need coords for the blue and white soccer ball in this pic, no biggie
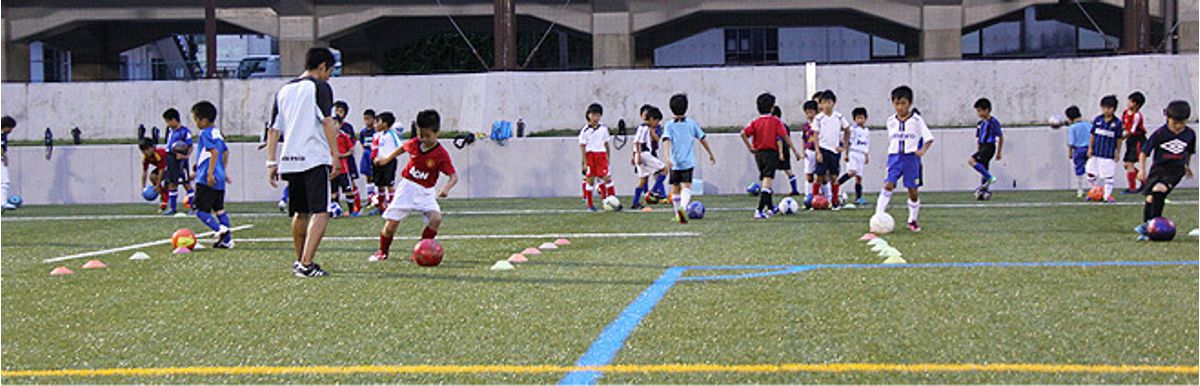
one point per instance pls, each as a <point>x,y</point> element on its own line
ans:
<point>15,200</point>
<point>808,201</point>
<point>754,189</point>
<point>335,210</point>
<point>788,206</point>
<point>695,210</point>
<point>149,194</point>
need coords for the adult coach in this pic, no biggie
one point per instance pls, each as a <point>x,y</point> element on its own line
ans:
<point>303,113</point>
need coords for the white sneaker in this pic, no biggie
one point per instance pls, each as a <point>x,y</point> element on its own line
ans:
<point>1078,193</point>
<point>7,206</point>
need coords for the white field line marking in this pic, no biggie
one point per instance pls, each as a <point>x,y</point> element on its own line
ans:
<point>572,211</point>
<point>487,237</point>
<point>134,246</point>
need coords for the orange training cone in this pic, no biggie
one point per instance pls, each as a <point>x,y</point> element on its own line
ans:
<point>561,242</point>
<point>94,264</point>
<point>517,258</point>
<point>868,237</point>
<point>61,270</point>
<point>531,252</point>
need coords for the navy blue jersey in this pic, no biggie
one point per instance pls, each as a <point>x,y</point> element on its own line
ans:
<point>1105,137</point>
<point>365,137</point>
<point>988,130</point>
<point>1171,150</point>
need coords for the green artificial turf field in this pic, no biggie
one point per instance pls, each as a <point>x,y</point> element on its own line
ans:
<point>1062,294</point>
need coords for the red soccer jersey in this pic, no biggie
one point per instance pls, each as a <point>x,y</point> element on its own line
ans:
<point>764,131</point>
<point>424,166</point>
<point>345,143</point>
<point>158,160</point>
<point>1133,123</point>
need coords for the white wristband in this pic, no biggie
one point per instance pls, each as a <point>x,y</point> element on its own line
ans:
<point>272,163</point>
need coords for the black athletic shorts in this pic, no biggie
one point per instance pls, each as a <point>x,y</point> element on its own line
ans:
<point>1133,147</point>
<point>680,176</point>
<point>984,155</point>
<point>767,161</point>
<point>385,175</point>
<point>1166,176</point>
<point>308,191</point>
<point>831,163</point>
<point>177,171</point>
<point>208,199</point>
<point>786,162</point>
<point>342,181</point>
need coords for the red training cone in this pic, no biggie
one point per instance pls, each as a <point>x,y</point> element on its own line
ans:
<point>61,270</point>
<point>517,258</point>
<point>561,242</point>
<point>94,264</point>
<point>531,252</point>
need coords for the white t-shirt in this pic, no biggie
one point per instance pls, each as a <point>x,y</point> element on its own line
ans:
<point>906,136</point>
<point>300,106</point>
<point>830,129</point>
<point>860,139</point>
<point>643,138</point>
<point>593,139</point>
<point>387,142</point>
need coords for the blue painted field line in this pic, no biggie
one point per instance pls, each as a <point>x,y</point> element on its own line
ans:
<point>612,339</point>
<point>606,346</point>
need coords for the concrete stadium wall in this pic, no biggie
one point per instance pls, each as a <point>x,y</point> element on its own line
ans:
<point>1022,91</point>
<point>1034,158</point>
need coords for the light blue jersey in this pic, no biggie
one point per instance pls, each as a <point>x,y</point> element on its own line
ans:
<point>1079,133</point>
<point>683,135</point>
<point>211,139</point>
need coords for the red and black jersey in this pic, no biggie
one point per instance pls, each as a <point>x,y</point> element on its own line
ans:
<point>158,159</point>
<point>424,166</point>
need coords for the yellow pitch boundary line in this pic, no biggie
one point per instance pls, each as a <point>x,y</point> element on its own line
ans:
<point>614,369</point>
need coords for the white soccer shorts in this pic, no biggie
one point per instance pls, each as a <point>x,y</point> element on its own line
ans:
<point>1101,167</point>
<point>409,198</point>
<point>649,165</point>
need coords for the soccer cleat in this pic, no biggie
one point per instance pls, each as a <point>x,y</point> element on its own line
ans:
<point>164,213</point>
<point>1078,193</point>
<point>313,270</point>
<point>221,244</point>
<point>282,205</point>
<point>990,181</point>
<point>1110,200</point>
<point>793,193</point>
<point>591,209</point>
<point>758,215</point>
<point>636,207</point>
<point>378,256</point>
<point>861,201</point>
<point>912,226</point>
<point>681,216</point>
<point>1140,229</point>
<point>1143,238</point>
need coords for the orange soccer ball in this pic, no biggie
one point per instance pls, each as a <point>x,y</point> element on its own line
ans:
<point>1096,194</point>
<point>183,238</point>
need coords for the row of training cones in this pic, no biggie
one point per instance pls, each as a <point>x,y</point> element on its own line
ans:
<point>878,245</point>
<point>523,256</point>
<point>62,270</point>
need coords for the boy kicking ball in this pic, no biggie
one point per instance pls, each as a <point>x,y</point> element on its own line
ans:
<point>415,193</point>
<point>679,145</point>
<point>1173,146</point>
<point>909,140</point>
<point>644,161</point>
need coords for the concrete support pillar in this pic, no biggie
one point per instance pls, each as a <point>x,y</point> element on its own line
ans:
<point>296,35</point>
<point>1189,26</point>
<point>1136,36</point>
<point>612,40</point>
<point>15,60</point>
<point>941,32</point>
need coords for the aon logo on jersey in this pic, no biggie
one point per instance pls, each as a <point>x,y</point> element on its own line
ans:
<point>418,174</point>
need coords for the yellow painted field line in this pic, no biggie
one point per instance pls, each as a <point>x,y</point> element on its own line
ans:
<point>662,368</point>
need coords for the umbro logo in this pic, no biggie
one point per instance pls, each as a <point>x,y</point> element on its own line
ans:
<point>1174,146</point>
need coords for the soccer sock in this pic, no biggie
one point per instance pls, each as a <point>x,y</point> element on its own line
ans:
<point>1108,185</point>
<point>658,184</point>
<point>685,197</point>
<point>857,191</point>
<point>816,189</point>
<point>833,198</point>
<point>284,196</point>
<point>428,233</point>
<point>223,218</point>
<point>1148,209</point>
<point>1160,199</point>
<point>792,182</point>
<point>612,190</point>
<point>190,191</point>
<point>845,177</point>
<point>208,220</point>
<point>1132,178</point>
<point>385,243</point>
<point>370,190</point>
<point>354,196</point>
<point>637,195</point>
<point>675,203</point>
<point>914,208</point>
<point>764,199</point>
<point>583,186</point>
<point>587,195</point>
<point>173,200</point>
<point>983,171</point>
<point>163,205</point>
<point>885,196</point>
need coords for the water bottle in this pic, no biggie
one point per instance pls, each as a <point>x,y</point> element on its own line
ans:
<point>520,127</point>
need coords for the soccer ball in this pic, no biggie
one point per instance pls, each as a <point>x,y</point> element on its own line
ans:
<point>653,198</point>
<point>1056,121</point>
<point>788,206</point>
<point>695,210</point>
<point>15,200</point>
<point>183,238</point>
<point>882,223</point>
<point>1160,229</point>
<point>427,253</point>
<point>983,194</point>
<point>820,202</point>
<point>335,210</point>
<point>754,189</point>
<point>612,204</point>
<point>181,149</point>
<point>1096,194</point>
<point>149,194</point>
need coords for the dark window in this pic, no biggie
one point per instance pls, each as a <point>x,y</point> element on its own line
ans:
<point>751,46</point>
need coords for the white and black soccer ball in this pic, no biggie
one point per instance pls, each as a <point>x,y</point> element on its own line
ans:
<point>788,205</point>
<point>612,204</point>
<point>882,223</point>
<point>1056,121</point>
<point>983,194</point>
<point>335,210</point>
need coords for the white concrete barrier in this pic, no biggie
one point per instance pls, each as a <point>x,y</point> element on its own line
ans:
<point>1034,158</point>
<point>1022,92</point>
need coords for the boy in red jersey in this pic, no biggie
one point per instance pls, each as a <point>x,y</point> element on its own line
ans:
<point>415,192</point>
<point>1135,137</point>
<point>155,157</point>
